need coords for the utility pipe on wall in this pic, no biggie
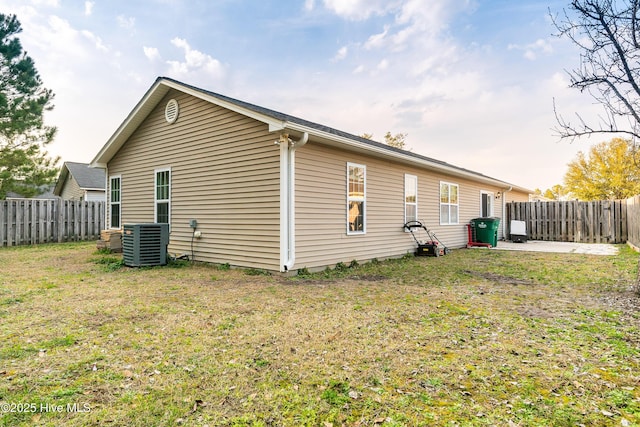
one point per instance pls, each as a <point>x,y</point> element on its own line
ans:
<point>287,199</point>
<point>504,212</point>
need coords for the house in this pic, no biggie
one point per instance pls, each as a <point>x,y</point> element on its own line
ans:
<point>78,181</point>
<point>272,191</point>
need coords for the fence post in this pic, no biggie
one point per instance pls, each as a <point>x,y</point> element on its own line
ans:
<point>3,222</point>
<point>624,215</point>
<point>34,205</point>
<point>59,219</point>
<point>20,234</point>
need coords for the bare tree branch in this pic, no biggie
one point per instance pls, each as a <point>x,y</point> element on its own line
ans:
<point>606,32</point>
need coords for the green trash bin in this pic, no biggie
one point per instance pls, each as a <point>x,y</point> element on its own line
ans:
<point>486,230</point>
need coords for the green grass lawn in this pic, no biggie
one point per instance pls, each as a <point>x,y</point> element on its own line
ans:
<point>475,338</point>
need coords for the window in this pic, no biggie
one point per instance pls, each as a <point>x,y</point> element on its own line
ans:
<point>448,203</point>
<point>486,204</point>
<point>356,198</point>
<point>163,195</point>
<point>410,198</point>
<point>115,196</point>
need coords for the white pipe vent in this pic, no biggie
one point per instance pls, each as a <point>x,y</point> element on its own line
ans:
<point>171,111</point>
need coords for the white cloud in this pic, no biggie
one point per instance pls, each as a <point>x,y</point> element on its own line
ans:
<point>309,5</point>
<point>88,7</point>
<point>559,81</point>
<point>358,10</point>
<point>377,40</point>
<point>194,61</point>
<point>444,56</point>
<point>61,28</point>
<point>125,22</point>
<point>414,21</point>
<point>151,53</point>
<point>97,41</point>
<point>50,3</point>
<point>359,69</point>
<point>533,50</point>
<point>341,54</point>
<point>383,65</point>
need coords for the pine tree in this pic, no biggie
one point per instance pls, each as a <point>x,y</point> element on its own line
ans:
<point>25,166</point>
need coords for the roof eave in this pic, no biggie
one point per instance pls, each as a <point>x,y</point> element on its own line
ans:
<point>404,158</point>
<point>274,124</point>
<point>128,126</point>
<point>150,100</point>
<point>162,86</point>
<point>64,171</point>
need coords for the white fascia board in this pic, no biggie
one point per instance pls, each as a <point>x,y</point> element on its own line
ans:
<point>128,126</point>
<point>450,170</point>
<point>150,101</point>
<point>276,126</point>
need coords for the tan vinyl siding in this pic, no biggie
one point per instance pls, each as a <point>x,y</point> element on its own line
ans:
<point>514,196</point>
<point>321,236</point>
<point>71,190</point>
<point>224,173</point>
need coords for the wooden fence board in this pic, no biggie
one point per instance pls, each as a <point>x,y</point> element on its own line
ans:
<point>572,221</point>
<point>34,221</point>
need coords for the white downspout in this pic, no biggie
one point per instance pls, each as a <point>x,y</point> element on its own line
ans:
<point>287,199</point>
<point>504,211</point>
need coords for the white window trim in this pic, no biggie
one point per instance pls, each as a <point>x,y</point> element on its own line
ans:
<point>362,199</point>
<point>492,196</point>
<point>119,202</point>
<point>155,193</point>
<point>448,204</point>
<point>406,175</point>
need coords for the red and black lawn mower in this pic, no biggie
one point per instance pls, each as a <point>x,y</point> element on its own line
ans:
<point>430,246</point>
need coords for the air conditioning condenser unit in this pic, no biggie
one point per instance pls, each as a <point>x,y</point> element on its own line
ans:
<point>145,244</point>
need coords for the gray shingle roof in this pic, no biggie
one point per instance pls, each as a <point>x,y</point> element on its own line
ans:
<point>279,120</point>
<point>86,177</point>
<point>292,119</point>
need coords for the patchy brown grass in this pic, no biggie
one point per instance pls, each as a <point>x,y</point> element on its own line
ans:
<point>477,337</point>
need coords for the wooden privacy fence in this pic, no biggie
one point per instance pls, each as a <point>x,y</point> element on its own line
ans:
<point>33,221</point>
<point>572,221</point>
<point>633,221</point>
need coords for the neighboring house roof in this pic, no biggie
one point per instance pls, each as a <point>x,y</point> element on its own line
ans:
<point>88,178</point>
<point>278,121</point>
<point>46,193</point>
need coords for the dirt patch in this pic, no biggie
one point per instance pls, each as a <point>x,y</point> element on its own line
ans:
<point>499,278</point>
<point>627,301</point>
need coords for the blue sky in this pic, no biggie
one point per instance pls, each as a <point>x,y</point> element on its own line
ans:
<point>471,82</point>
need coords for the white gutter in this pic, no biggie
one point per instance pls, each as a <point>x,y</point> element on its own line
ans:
<point>448,169</point>
<point>287,198</point>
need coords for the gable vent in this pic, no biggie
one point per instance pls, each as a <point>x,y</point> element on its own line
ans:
<point>171,111</point>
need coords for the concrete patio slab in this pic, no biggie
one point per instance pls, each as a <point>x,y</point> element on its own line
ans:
<point>561,247</point>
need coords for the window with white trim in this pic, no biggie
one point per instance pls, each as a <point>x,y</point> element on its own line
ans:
<point>356,198</point>
<point>163,196</point>
<point>115,198</point>
<point>410,198</point>
<point>449,205</point>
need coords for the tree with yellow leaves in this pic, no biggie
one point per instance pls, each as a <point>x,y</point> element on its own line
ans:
<point>609,171</point>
